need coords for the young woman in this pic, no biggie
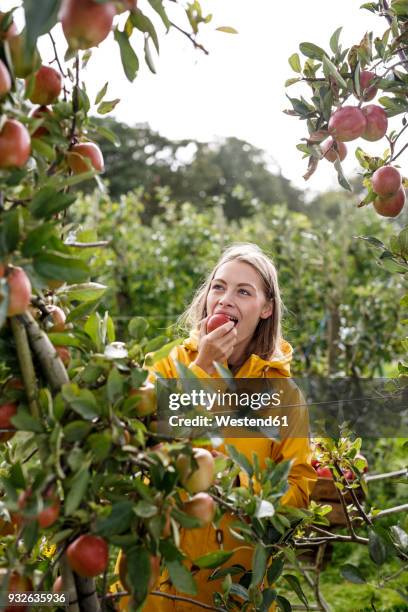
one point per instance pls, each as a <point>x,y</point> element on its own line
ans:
<point>244,286</point>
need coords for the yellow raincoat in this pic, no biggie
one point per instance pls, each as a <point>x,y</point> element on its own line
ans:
<point>198,542</point>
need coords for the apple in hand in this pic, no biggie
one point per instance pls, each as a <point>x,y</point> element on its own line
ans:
<point>216,321</point>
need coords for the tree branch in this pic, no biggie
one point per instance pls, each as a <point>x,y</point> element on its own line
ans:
<point>26,365</point>
<point>190,37</point>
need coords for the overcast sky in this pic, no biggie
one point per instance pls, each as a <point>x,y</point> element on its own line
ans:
<point>238,89</point>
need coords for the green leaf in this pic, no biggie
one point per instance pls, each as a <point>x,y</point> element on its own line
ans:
<point>55,265</point>
<point>145,509</point>
<point>128,56</point>
<point>40,18</point>
<point>43,149</point>
<point>181,578</point>
<point>352,574</point>
<point>264,509</point>
<point>100,445</point>
<point>311,50</point>
<point>283,604</point>
<point>185,520</point>
<point>157,5</point>
<point>143,23</point>
<point>84,292</point>
<point>334,40</point>
<point>330,69</point>
<point>4,300</point>
<point>275,570</point>
<point>38,238</point>
<point>114,386</point>
<point>400,537</point>
<point>82,401</point>
<point>137,327</point>
<point>259,560</point>
<point>377,547</point>
<point>76,430</point>
<point>294,62</point>
<point>118,521</point>
<point>25,422</point>
<point>163,351</point>
<point>138,562</point>
<point>11,231</point>
<point>78,487</point>
<point>148,56</point>
<point>213,559</point>
<point>240,459</point>
<point>239,591</point>
<point>101,93</point>
<point>227,29</point>
<point>108,134</point>
<point>106,107</point>
<point>48,201</point>
<point>340,176</point>
<point>82,310</point>
<point>293,582</point>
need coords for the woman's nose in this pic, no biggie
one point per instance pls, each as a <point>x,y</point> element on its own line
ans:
<point>226,299</point>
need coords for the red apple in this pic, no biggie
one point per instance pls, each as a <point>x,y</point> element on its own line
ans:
<point>15,144</point>
<point>5,79</point>
<point>332,150</point>
<point>88,555</point>
<point>84,156</point>
<point>58,317</point>
<point>386,181</point>
<point>57,587</point>
<point>347,123</point>
<point>315,463</point>
<point>391,206</point>
<point>7,411</point>
<point>86,23</point>
<point>197,479</point>
<point>41,112</point>
<point>19,290</point>
<point>368,91</point>
<point>11,30</point>
<point>324,472</point>
<point>201,506</point>
<point>44,86</point>
<point>16,584</point>
<point>64,354</point>
<point>377,122</point>
<point>48,515</point>
<point>216,321</point>
<point>349,475</point>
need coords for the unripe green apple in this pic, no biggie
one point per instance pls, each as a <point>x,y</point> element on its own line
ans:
<point>197,479</point>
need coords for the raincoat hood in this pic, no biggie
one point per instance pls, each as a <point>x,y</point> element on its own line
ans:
<point>255,366</point>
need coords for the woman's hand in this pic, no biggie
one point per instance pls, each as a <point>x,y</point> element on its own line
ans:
<point>218,345</point>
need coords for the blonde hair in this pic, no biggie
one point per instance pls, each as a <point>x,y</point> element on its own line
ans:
<point>268,333</point>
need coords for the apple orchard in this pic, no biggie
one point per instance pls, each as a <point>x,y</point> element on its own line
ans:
<point>84,474</point>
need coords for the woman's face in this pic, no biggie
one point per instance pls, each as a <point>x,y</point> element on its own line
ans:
<point>237,291</point>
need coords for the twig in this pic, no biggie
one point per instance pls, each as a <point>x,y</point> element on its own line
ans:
<point>88,245</point>
<point>387,512</point>
<point>26,365</point>
<point>169,596</point>
<point>69,584</point>
<point>190,37</point>
<point>401,53</point>
<point>57,59</point>
<point>75,102</point>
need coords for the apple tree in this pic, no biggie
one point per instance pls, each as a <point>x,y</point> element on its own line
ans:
<point>84,473</point>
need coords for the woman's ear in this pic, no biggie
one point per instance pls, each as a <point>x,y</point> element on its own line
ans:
<point>267,310</point>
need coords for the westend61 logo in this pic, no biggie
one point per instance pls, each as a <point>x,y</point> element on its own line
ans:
<point>208,400</point>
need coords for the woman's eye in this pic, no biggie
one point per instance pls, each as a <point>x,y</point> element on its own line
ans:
<point>245,291</point>
<point>216,286</point>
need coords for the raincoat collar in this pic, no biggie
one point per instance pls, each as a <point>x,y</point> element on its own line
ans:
<point>254,366</point>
